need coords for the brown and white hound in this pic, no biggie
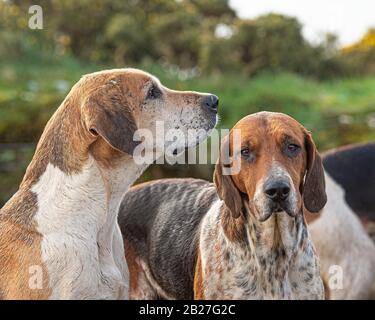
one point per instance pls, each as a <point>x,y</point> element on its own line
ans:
<point>59,236</point>
<point>243,237</point>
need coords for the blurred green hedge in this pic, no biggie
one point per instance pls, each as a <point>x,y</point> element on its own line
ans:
<point>205,35</point>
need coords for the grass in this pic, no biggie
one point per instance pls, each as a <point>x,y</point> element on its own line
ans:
<point>337,112</point>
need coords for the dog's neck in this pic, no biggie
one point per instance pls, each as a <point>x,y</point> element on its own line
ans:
<point>117,182</point>
<point>280,235</point>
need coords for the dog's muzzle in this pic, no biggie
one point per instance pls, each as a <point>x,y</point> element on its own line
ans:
<point>278,191</point>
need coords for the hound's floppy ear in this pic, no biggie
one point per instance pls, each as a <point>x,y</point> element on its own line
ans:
<point>106,114</point>
<point>314,194</point>
<point>225,187</point>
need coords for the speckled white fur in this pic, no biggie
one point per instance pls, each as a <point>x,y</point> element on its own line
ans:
<point>245,275</point>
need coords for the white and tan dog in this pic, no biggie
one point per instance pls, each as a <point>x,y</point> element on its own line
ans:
<point>59,236</point>
<point>344,232</point>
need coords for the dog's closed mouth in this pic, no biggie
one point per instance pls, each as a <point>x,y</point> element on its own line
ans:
<point>278,209</point>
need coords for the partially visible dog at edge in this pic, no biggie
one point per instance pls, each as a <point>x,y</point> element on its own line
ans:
<point>344,232</point>
<point>243,237</point>
<point>59,236</point>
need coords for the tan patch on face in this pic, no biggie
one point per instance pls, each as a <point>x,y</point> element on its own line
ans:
<point>128,90</point>
<point>135,85</point>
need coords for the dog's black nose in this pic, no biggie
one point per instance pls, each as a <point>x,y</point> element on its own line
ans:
<point>211,102</point>
<point>277,190</point>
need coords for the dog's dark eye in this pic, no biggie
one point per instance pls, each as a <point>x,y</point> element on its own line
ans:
<point>245,152</point>
<point>154,93</point>
<point>293,148</point>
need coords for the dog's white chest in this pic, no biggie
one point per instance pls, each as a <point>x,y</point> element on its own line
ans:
<point>71,213</point>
